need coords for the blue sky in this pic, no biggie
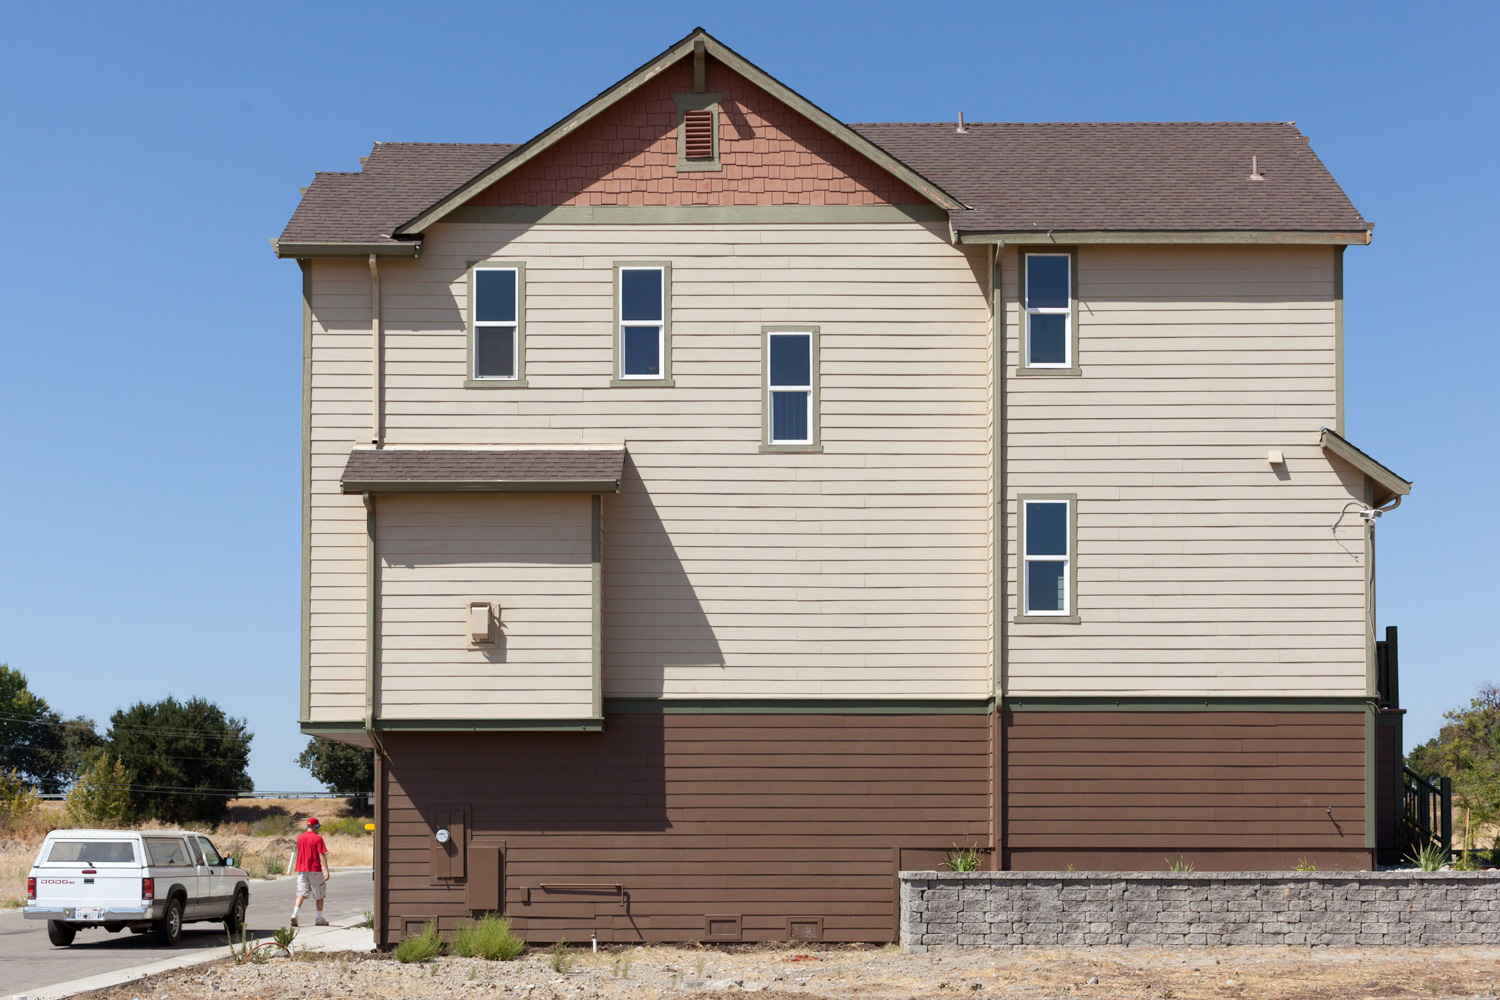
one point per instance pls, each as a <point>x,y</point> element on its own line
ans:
<point>149,342</point>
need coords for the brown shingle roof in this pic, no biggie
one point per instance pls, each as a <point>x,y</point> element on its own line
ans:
<point>533,470</point>
<point>1124,175</point>
<point>398,181</point>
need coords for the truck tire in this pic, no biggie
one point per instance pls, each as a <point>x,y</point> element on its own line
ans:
<point>234,920</point>
<point>60,933</point>
<point>169,928</point>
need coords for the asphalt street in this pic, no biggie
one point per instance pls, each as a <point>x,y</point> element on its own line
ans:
<point>28,960</point>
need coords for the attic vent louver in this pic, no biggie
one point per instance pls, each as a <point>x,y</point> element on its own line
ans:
<point>698,134</point>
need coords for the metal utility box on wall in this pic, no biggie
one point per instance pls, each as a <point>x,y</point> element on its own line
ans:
<point>486,882</point>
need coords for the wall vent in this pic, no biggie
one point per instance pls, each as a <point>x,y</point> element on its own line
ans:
<point>698,134</point>
<point>721,927</point>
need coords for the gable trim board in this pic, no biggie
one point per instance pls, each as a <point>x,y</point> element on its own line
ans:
<point>530,149</point>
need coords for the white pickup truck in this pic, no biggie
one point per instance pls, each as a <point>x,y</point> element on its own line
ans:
<point>153,880</point>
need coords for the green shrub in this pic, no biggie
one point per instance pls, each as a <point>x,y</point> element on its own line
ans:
<point>1182,864</point>
<point>489,938</point>
<point>1304,865</point>
<point>17,799</point>
<point>962,859</point>
<point>275,865</point>
<point>1430,857</point>
<point>101,795</point>
<point>563,957</point>
<point>423,948</point>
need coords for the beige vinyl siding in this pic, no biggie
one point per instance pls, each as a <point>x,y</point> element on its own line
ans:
<point>1200,570</point>
<point>339,418</point>
<point>860,572</point>
<point>531,555</point>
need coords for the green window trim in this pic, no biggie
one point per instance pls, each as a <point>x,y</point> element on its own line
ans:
<point>815,422</point>
<point>1023,328</point>
<point>1021,617</point>
<point>697,102</point>
<point>519,382</point>
<point>616,378</point>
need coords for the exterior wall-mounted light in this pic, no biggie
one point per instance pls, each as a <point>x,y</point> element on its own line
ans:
<point>481,622</point>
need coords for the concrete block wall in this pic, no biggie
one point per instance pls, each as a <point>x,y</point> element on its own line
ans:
<point>1337,909</point>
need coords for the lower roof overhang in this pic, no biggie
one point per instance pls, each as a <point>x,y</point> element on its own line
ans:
<point>491,470</point>
<point>1064,237</point>
<point>1387,485</point>
<point>288,248</point>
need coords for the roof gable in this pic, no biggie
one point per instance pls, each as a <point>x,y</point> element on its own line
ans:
<point>683,50</point>
<point>768,154</point>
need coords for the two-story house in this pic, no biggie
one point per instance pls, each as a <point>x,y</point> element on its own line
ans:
<point>713,508</point>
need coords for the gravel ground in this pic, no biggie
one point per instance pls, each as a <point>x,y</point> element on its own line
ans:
<point>866,973</point>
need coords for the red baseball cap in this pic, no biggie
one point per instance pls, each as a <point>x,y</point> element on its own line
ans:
<point>313,821</point>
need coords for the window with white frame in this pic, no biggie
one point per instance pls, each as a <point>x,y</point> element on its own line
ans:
<point>642,311</point>
<point>1049,310</point>
<point>789,387</point>
<point>1047,557</point>
<point>496,341</point>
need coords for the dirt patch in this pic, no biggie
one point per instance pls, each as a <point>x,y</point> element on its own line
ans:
<point>861,973</point>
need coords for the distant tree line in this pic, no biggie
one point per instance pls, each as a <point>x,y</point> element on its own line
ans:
<point>173,761</point>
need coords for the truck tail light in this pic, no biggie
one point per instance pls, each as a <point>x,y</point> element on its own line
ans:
<point>31,888</point>
<point>148,888</point>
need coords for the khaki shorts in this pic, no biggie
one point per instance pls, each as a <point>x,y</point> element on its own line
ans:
<point>311,884</point>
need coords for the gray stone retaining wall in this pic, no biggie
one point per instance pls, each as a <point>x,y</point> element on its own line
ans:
<point>1341,909</point>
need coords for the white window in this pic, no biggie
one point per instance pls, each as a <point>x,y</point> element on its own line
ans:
<point>789,387</point>
<point>643,311</point>
<point>496,340</point>
<point>1049,310</point>
<point>1047,557</point>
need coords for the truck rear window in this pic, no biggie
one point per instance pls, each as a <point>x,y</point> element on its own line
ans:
<point>93,852</point>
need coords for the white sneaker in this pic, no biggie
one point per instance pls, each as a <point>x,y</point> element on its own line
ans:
<point>320,922</point>
<point>294,921</point>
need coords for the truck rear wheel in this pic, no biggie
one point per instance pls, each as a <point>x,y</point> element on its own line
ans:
<point>60,933</point>
<point>169,927</point>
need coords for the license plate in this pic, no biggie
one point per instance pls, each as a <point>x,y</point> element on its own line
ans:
<point>86,913</point>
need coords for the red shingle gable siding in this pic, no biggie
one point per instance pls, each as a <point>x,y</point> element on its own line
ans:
<point>770,155</point>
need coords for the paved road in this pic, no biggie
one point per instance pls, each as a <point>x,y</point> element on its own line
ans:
<point>29,961</point>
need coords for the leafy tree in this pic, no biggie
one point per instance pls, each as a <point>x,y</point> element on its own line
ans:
<point>22,715</point>
<point>61,750</point>
<point>341,768</point>
<point>188,757</point>
<point>101,795</point>
<point>1467,750</point>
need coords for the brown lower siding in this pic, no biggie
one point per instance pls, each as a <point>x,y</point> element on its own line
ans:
<point>757,818</point>
<point>1124,790</point>
<point>758,821</point>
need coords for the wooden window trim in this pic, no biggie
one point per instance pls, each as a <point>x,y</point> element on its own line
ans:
<point>519,382</point>
<point>1023,343</point>
<point>1022,617</point>
<point>617,378</point>
<point>815,422</point>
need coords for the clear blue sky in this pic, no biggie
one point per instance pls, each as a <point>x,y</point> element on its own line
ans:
<point>150,343</point>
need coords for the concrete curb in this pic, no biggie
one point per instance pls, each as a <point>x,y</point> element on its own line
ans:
<point>308,939</point>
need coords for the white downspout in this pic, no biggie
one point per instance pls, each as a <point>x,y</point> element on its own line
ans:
<point>376,355</point>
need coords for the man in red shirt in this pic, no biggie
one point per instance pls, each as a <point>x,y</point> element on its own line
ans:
<point>312,870</point>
